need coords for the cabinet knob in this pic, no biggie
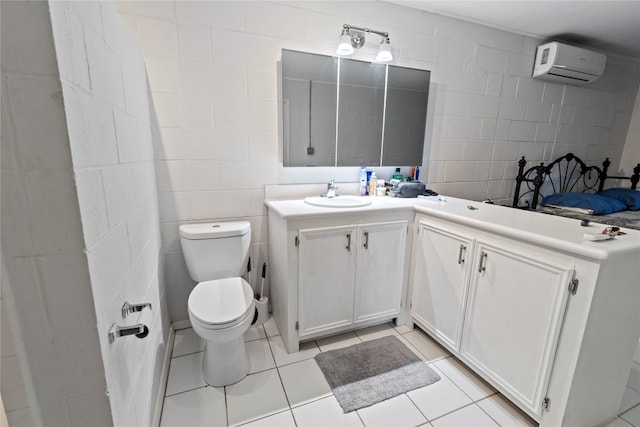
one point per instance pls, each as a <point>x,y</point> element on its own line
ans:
<point>366,240</point>
<point>348,242</point>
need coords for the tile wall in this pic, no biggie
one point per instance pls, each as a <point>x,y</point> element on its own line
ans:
<point>109,121</point>
<point>212,70</point>
<point>54,353</point>
<point>80,227</point>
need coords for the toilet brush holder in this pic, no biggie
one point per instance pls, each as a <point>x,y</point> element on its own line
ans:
<point>262,308</point>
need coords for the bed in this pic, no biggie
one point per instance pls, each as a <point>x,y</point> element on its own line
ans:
<point>569,187</point>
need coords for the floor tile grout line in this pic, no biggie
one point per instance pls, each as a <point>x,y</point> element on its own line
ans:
<point>456,410</point>
<point>284,390</point>
<point>482,409</point>
<point>630,409</point>
<point>513,405</point>
<point>226,406</point>
<point>416,406</point>
<point>454,383</point>
<point>186,354</point>
<point>262,418</point>
<point>184,391</point>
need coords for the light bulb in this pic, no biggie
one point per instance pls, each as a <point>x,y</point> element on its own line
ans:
<point>384,52</point>
<point>344,46</point>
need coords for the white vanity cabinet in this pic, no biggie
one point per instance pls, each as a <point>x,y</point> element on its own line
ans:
<point>516,311</point>
<point>349,275</point>
<point>497,304</point>
<point>547,317</point>
<point>334,273</point>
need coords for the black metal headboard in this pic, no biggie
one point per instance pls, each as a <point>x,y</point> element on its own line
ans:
<point>565,174</point>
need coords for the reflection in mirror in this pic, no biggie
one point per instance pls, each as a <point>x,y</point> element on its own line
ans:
<point>343,112</point>
<point>361,110</point>
<point>309,109</point>
<point>405,116</point>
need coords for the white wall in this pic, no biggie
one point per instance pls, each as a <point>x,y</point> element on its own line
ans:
<point>46,285</point>
<point>80,227</point>
<point>108,116</point>
<point>631,152</point>
<point>213,73</point>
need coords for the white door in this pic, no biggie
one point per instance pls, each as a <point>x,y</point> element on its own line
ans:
<point>326,275</point>
<point>440,279</point>
<point>381,257</point>
<point>514,315</point>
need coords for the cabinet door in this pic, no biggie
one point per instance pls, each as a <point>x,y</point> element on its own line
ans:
<point>326,275</point>
<point>515,311</point>
<point>380,267</point>
<point>441,272</point>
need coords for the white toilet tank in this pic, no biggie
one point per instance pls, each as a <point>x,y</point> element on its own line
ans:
<point>216,250</point>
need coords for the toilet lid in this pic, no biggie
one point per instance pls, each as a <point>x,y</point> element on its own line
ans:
<point>220,301</point>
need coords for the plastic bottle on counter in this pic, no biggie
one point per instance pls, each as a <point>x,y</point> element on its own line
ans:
<point>381,190</point>
<point>373,184</point>
<point>397,175</point>
<point>363,181</point>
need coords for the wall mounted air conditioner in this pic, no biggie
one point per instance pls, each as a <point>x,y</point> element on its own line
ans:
<point>563,63</point>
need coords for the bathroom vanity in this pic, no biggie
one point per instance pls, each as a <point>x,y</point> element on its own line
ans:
<point>337,269</point>
<point>547,317</point>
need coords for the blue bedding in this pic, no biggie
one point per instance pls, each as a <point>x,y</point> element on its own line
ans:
<point>597,204</point>
<point>631,198</point>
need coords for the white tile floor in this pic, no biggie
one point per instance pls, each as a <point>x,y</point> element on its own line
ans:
<point>289,389</point>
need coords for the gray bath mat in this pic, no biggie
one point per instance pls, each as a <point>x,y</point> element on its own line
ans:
<point>364,374</point>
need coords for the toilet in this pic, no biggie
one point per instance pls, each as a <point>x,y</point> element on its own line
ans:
<point>222,305</point>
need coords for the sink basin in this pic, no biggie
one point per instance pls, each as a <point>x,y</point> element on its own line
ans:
<point>338,201</point>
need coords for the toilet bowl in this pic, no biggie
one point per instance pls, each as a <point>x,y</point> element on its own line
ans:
<point>220,312</point>
<point>221,306</point>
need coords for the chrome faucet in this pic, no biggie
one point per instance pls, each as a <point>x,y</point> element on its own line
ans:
<point>331,189</point>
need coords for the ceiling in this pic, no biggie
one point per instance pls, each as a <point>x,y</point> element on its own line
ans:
<point>610,26</point>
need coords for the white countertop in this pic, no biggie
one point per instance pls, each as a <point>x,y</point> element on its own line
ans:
<point>553,231</point>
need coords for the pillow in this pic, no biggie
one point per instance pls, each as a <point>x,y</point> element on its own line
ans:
<point>629,197</point>
<point>597,203</point>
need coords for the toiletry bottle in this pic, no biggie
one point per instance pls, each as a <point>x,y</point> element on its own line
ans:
<point>416,175</point>
<point>363,181</point>
<point>397,175</point>
<point>381,190</point>
<point>373,184</point>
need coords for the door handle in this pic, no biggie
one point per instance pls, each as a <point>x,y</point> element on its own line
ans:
<point>366,240</point>
<point>483,258</point>
<point>463,248</point>
<point>348,242</point>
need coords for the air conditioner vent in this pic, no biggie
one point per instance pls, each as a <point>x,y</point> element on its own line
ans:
<point>568,64</point>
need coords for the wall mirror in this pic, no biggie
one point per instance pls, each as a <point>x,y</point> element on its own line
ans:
<point>344,112</point>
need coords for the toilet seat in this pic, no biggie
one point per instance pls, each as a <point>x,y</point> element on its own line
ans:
<point>222,303</point>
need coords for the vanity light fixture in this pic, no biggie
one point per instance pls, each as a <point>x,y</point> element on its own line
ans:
<point>354,37</point>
